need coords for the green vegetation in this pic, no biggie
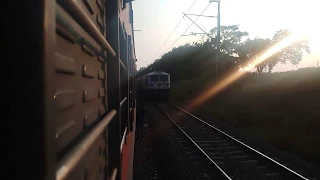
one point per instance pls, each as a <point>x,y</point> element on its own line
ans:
<point>281,108</point>
<point>193,60</point>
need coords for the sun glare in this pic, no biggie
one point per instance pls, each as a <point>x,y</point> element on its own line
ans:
<point>292,38</point>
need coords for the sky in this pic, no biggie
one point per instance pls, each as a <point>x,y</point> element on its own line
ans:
<point>260,18</point>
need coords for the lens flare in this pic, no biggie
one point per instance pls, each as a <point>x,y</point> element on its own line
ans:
<point>289,40</point>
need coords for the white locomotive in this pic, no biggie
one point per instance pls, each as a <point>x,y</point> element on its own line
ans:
<point>153,85</point>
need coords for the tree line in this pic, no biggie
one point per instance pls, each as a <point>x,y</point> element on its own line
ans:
<point>236,51</point>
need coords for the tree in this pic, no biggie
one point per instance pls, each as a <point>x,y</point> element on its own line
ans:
<point>292,53</point>
<point>230,37</point>
<point>193,60</point>
<point>252,49</point>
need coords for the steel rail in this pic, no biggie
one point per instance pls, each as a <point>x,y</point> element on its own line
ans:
<point>212,161</point>
<point>245,145</point>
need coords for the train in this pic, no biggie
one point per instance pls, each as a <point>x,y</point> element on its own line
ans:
<point>154,86</point>
<point>72,90</point>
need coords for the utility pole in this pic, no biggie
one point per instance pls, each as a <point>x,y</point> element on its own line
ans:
<point>218,41</point>
<point>217,38</point>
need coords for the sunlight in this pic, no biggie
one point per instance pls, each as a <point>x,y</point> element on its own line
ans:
<point>248,68</point>
<point>292,38</point>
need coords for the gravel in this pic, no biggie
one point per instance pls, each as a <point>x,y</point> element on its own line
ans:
<point>165,154</point>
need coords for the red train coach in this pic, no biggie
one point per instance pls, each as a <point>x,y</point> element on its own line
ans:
<point>74,117</point>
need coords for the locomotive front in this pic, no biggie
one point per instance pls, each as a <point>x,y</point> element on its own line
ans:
<point>154,86</point>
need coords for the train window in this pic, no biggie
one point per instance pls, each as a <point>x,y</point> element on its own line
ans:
<point>153,78</point>
<point>163,78</point>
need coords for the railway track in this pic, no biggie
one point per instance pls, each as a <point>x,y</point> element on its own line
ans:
<point>233,158</point>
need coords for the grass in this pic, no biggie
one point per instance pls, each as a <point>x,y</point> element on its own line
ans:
<point>283,108</point>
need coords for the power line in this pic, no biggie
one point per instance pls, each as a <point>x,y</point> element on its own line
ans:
<point>188,27</point>
<point>174,29</point>
<point>197,25</point>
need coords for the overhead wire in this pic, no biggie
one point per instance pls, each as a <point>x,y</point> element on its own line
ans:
<point>198,26</point>
<point>174,30</point>
<point>188,27</point>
